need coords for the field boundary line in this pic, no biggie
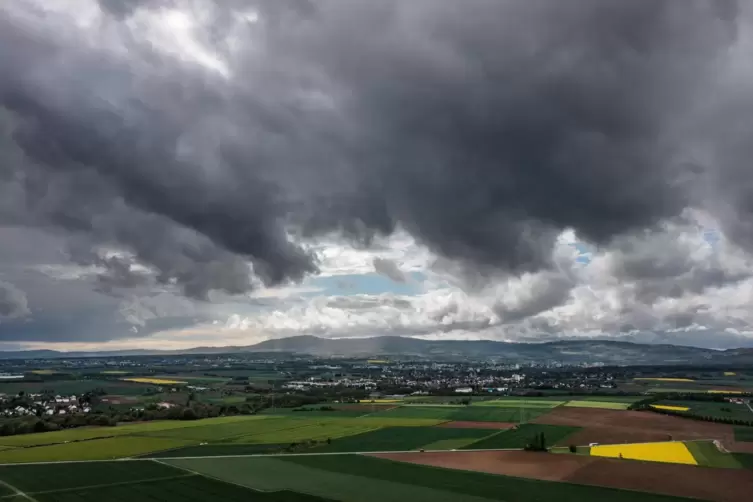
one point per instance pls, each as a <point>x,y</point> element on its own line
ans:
<point>18,492</point>
<point>118,483</point>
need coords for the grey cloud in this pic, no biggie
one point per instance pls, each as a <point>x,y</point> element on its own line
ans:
<point>665,265</point>
<point>543,293</point>
<point>366,302</point>
<point>389,268</point>
<point>358,117</point>
<point>13,302</point>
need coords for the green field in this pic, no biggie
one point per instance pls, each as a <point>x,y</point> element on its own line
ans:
<point>473,413</point>
<point>518,438</point>
<point>227,431</point>
<point>520,403</point>
<point>399,439</point>
<point>610,399</point>
<point>708,455</point>
<point>314,431</point>
<point>438,412</point>
<point>598,404</point>
<point>128,481</point>
<point>744,459</point>
<point>357,478</point>
<point>96,449</point>
<point>315,412</point>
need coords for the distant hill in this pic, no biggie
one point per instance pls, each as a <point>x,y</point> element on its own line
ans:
<point>566,351</point>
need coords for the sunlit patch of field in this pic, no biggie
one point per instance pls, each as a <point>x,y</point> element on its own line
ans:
<point>670,408</point>
<point>657,379</point>
<point>670,452</point>
<point>155,381</point>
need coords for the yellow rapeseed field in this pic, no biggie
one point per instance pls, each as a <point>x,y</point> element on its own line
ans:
<point>377,361</point>
<point>666,379</point>
<point>670,408</point>
<point>725,392</point>
<point>384,401</point>
<point>729,373</point>
<point>671,452</point>
<point>155,381</point>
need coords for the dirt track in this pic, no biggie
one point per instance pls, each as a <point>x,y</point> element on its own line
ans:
<point>612,426</point>
<point>477,425</point>
<point>718,485</point>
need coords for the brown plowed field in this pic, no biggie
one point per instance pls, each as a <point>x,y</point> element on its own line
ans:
<point>477,425</point>
<point>718,485</point>
<point>616,426</point>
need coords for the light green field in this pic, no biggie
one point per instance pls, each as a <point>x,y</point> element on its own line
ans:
<point>227,431</point>
<point>708,455</point>
<point>598,404</point>
<point>96,449</point>
<point>315,432</point>
<point>520,403</point>
<point>86,433</point>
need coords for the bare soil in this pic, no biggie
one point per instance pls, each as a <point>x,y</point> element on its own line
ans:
<point>524,464</point>
<point>477,425</point>
<point>617,426</point>
<point>708,483</point>
<point>714,484</point>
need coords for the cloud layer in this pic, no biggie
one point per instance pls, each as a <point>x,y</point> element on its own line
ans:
<point>207,149</point>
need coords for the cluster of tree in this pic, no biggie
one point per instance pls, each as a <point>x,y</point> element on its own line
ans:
<point>645,404</point>
<point>705,418</point>
<point>689,396</point>
<point>537,443</point>
<point>320,408</point>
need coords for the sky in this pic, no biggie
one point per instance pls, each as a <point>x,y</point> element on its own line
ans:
<point>192,173</point>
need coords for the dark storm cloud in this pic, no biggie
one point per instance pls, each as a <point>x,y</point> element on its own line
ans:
<point>482,127</point>
<point>13,302</point>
